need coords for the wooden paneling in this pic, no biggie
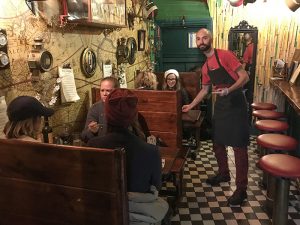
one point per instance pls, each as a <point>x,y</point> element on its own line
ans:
<point>55,184</point>
<point>160,114</point>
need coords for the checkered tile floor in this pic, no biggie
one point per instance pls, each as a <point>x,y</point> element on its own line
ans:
<point>206,205</point>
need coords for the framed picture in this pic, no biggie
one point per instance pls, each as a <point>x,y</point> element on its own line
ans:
<point>102,13</point>
<point>78,9</point>
<point>141,40</point>
<point>109,12</point>
<point>295,75</point>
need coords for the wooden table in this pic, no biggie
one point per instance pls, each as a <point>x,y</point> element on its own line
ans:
<point>169,155</point>
<point>193,120</point>
<point>292,93</point>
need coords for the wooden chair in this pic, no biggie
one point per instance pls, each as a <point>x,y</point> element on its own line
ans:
<point>43,184</point>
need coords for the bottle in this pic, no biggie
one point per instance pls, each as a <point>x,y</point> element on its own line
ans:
<point>66,136</point>
<point>47,131</point>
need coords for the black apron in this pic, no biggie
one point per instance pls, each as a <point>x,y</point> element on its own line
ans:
<point>230,123</point>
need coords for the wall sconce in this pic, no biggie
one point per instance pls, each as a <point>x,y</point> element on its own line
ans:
<point>183,21</point>
<point>293,4</point>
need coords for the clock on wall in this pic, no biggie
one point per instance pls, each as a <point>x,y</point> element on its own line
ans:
<point>4,60</point>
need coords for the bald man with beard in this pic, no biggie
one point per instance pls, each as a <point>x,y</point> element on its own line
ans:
<point>223,71</point>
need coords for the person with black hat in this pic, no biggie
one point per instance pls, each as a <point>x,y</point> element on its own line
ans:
<point>143,160</point>
<point>24,114</point>
<point>223,71</point>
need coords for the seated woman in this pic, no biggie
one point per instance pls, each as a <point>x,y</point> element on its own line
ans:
<point>172,83</point>
<point>24,114</point>
<point>146,81</point>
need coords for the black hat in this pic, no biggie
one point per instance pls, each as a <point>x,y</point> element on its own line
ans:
<point>24,107</point>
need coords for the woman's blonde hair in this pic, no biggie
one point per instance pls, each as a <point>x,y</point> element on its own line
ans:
<point>16,129</point>
<point>146,80</point>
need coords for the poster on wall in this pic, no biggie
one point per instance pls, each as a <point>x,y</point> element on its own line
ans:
<point>192,40</point>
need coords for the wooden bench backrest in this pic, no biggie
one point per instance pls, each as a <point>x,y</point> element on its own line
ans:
<point>43,184</point>
<point>159,114</point>
<point>161,111</point>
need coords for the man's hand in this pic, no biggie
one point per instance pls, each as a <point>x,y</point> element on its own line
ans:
<point>222,92</point>
<point>93,127</point>
<point>186,108</point>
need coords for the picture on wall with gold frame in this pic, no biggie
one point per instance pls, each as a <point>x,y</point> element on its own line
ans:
<point>111,12</point>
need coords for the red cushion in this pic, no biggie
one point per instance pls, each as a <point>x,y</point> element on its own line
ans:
<point>281,165</point>
<point>277,142</point>
<point>271,125</point>
<point>263,105</point>
<point>267,114</point>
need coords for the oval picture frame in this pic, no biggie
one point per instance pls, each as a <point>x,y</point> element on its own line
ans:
<point>88,62</point>
<point>132,49</point>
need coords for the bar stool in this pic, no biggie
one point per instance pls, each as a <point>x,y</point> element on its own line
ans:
<point>265,126</point>
<point>274,142</point>
<point>267,114</point>
<point>269,126</point>
<point>263,106</point>
<point>284,168</point>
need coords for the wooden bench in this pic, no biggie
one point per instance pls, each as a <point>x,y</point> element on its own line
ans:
<point>43,184</point>
<point>191,81</point>
<point>160,112</point>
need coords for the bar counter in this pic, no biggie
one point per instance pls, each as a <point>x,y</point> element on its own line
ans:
<point>292,93</point>
<point>292,107</point>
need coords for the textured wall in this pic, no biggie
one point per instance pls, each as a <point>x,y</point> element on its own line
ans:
<point>66,44</point>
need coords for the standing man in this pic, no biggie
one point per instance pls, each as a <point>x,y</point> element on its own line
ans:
<point>95,124</point>
<point>224,72</point>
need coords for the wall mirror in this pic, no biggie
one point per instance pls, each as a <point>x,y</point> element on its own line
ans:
<point>242,41</point>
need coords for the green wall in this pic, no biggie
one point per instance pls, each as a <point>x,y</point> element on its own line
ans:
<point>175,9</point>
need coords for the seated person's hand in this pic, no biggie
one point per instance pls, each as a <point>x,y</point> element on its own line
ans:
<point>93,127</point>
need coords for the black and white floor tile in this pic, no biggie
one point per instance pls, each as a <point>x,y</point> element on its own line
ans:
<point>206,205</point>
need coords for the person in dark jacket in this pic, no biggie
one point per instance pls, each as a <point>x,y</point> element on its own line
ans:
<point>95,124</point>
<point>143,161</point>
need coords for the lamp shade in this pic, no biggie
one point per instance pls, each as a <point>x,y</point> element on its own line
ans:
<point>236,3</point>
<point>293,4</point>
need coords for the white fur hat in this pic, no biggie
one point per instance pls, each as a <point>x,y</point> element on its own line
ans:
<point>175,72</point>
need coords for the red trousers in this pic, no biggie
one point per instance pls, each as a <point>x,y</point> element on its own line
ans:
<point>241,164</point>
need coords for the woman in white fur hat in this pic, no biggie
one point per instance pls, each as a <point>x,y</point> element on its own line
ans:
<point>172,83</point>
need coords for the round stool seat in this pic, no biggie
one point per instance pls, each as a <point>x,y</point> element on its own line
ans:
<point>267,114</point>
<point>263,106</point>
<point>277,142</point>
<point>281,165</point>
<point>271,125</point>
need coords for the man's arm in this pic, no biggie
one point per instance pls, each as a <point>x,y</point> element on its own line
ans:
<point>241,81</point>
<point>202,93</point>
<point>93,115</point>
